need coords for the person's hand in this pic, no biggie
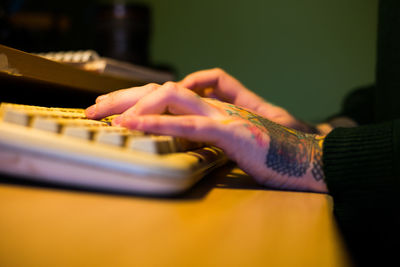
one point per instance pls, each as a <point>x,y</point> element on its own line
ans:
<point>274,155</point>
<point>216,83</point>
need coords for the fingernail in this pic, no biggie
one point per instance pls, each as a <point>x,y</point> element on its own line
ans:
<point>101,98</point>
<point>90,111</point>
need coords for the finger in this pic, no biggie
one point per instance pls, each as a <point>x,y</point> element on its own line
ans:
<point>225,87</point>
<point>205,83</point>
<point>201,79</point>
<point>173,99</point>
<point>193,127</point>
<point>118,101</point>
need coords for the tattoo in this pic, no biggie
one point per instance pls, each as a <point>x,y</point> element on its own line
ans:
<point>256,134</point>
<point>290,152</point>
<point>317,170</point>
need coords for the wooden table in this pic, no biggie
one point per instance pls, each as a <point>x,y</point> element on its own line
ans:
<point>226,220</point>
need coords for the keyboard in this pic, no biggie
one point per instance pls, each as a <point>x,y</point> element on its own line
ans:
<point>61,146</point>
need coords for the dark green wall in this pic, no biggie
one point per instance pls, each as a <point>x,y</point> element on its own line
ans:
<point>304,55</point>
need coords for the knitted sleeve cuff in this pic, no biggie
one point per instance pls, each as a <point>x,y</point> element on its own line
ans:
<point>361,167</point>
<point>359,159</point>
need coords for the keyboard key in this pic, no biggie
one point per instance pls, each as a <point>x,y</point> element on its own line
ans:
<point>16,116</point>
<point>151,144</point>
<point>182,144</point>
<point>60,125</point>
<point>115,136</point>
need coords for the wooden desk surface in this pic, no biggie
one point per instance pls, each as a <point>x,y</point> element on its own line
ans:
<point>233,222</point>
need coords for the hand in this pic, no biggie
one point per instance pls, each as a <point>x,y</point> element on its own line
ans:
<point>274,155</point>
<point>216,83</point>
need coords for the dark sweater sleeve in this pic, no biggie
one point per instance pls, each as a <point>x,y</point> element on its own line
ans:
<point>361,165</point>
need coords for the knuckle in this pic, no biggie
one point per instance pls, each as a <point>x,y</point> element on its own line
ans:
<point>169,89</point>
<point>219,71</point>
<point>112,97</point>
<point>170,86</point>
<point>155,123</point>
<point>152,86</point>
<point>188,126</point>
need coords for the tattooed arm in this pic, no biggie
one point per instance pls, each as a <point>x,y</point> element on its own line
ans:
<point>273,154</point>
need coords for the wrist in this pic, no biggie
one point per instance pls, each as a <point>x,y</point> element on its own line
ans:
<point>313,179</point>
<point>297,166</point>
<point>326,127</point>
<point>316,175</point>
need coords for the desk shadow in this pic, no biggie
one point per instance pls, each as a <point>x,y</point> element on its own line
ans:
<point>227,176</point>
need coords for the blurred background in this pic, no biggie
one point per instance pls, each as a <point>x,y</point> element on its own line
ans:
<point>304,55</point>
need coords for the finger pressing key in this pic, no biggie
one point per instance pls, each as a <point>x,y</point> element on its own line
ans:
<point>118,101</point>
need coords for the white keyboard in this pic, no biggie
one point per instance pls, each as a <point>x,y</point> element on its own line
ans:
<point>62,146</point>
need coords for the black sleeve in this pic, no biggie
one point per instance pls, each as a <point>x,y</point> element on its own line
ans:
<point>361,166</point>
